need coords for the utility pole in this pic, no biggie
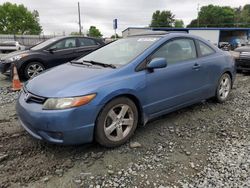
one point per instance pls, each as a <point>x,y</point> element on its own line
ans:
<point>198,19</point>
<point>115,27</point>
<point>79,17</point>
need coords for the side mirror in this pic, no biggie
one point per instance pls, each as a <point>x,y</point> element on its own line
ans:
<point>51,50</point>
<point>157,63</point>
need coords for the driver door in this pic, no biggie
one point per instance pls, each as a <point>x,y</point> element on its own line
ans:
<point>180,83</point>
<point>63,52</point>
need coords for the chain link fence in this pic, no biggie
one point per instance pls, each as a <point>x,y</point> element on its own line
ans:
<point>26,40</point>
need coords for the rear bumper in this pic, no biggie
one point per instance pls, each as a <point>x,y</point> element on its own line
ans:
<point>70,126</point>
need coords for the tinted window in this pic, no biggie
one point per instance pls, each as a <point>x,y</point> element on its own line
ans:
<point>177,50</point>
<point>64,44</point>
<point>43,44</point>
<point>87,42</point>
<point>205,49</point>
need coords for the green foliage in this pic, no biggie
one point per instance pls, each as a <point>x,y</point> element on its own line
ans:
<point>225,16</point>
<point>117,36</point>
<point>193,23</point>
<point>178,24</point>
<point>17,19</point>
<point>74,33</point>
<point>245,16</point>
<point>216,16</point>
<point>94,32</point>
<point>162,19</point>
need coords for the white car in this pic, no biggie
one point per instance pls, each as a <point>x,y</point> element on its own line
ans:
<point>10,46</point>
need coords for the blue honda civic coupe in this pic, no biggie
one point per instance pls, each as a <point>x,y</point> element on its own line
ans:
<point>106,94</point>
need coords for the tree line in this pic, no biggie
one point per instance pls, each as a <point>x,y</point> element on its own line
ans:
<point>17,19</point>
<point>208,16</point>
<point>225,16</point>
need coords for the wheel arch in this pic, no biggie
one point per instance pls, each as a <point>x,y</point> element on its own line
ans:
<point>22,65</point>
<point>133,98</point>
<point>231,76</point>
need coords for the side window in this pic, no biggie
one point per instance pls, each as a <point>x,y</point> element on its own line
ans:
<point>87,42</point>
<point>205,49</point>
<point>177,50</point>
<point>70,43</point>
<point>64,44</point>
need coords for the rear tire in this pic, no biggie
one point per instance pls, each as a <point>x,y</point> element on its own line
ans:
<point>224,88</point>
<point>116,122</point>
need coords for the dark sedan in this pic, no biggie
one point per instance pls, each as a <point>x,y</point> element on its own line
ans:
<point>50,53</point>
<point>243,62</point>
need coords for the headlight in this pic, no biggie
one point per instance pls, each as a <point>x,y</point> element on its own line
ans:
<point>64,103</point>
<point>17,57</point>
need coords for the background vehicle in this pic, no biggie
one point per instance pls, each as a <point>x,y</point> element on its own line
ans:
<point>50,53</point>
<point>243,62</point>
<point>225,46</point>
<point>106,94</point>
<point>10,46</point>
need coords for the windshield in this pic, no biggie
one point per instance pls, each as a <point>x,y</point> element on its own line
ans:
<point>120,52</point>
<point>43,44</point>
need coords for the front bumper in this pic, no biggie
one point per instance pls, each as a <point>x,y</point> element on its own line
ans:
<point>69,126</point>
<point>243,64</point>
<point>5,67</point>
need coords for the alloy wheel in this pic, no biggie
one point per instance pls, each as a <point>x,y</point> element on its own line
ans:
<point>34,70</point>
<point>224,87</point>
<point>118,122</point>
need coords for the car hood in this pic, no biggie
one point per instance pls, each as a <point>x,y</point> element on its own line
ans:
<point>69,80</point>
<point>243,49</point>
<point>12,54</point>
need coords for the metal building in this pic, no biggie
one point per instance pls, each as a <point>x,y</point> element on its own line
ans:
<point>234,36</point>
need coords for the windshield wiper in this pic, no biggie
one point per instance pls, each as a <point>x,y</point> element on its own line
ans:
<point>101,64</point>
<point>76,62</point>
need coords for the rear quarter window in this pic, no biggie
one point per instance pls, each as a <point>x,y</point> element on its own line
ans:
<point>205,50</point>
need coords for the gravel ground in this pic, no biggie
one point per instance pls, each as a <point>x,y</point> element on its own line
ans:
<point>205,145</point>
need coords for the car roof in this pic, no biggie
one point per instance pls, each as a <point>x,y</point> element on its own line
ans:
<point>72,36</point>
<point>149,33</point>
<point>77,36</point>
<point>162,34</point>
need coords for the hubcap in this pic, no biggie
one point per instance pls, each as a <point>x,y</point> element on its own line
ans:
<point>119,122</point>
<point>34,70</point>
<point>224,88</point>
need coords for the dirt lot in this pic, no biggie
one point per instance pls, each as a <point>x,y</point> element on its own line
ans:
<point>205,145</point>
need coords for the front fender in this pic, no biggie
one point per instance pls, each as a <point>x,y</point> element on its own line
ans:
<point>131,94</point>
<point>117,93</point>
<point>20,63</point>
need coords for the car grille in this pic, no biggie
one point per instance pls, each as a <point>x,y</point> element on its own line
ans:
<point>245,55</point>
<point>29,97</point>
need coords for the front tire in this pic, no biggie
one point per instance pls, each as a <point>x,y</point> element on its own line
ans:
<point>32,69</point>
<point>224,88</point>
<point>116,122</point>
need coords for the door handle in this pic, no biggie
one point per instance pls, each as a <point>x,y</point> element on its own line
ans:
<point>196,66</point>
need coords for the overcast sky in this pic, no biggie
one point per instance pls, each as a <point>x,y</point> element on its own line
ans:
<point>58,16</point>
